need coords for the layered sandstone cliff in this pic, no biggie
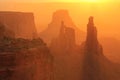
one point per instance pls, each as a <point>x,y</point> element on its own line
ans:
<point>24,59</point>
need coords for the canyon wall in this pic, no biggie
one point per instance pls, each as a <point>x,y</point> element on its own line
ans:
<point>24,59</point>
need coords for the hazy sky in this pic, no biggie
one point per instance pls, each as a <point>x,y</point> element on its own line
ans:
<point>60,0</point>
<point>107,15</point>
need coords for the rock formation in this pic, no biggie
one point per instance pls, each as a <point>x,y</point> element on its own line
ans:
<point>64,51</point>
<point>95,65</point>
<point>65,40</point>
<point>54,27</point>
<point>32,64</point>
<point>5,32</point>
<point>22,24</point>
<point>23,59</point>
<point>92,44</point>
<point>91,65</point>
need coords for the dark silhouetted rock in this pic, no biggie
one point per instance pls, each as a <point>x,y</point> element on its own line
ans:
<point>92,44</point>
<point>95,65</point>
<point>22,24</point>
<point>91,65</point>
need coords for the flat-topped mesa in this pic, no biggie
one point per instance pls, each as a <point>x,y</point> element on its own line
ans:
<point>53,28</point>
<point>92,43</point>
<point>60,15</point>
<point>21,23</point>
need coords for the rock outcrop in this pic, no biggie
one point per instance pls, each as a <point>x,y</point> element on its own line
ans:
<point>5,32</point>
<point>65,40</point>
<point>64,50</point>
<point>32,64</point>
<point>22,24</point>
<point>53,28</point>
<point>92,44</point>
<point>24,59</point>
<point>95,65</point>
<point>91,65</point>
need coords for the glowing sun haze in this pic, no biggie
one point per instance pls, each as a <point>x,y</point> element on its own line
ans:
<point>85,0</point>
<point>59,0</point>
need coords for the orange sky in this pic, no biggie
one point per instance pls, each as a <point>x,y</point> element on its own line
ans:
<point>60,0</point>
<point>107,14</point>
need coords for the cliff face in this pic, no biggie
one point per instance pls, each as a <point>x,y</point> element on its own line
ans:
<point>22,24</point>
<point>54,27</point>
<point>24,59</point>
<point>32,64</point>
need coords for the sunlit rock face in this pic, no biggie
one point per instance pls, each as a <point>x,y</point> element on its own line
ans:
<point>22,24</point>
<point>95,66</point>
<point>24,59</point>
<point>53,28</point>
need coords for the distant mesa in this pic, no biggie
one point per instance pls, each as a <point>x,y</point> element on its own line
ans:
<point>21,23</point>
<point>53,28</point>
<point>65,42</point>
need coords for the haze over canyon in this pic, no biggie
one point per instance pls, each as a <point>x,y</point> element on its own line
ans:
<point>59,41</point>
